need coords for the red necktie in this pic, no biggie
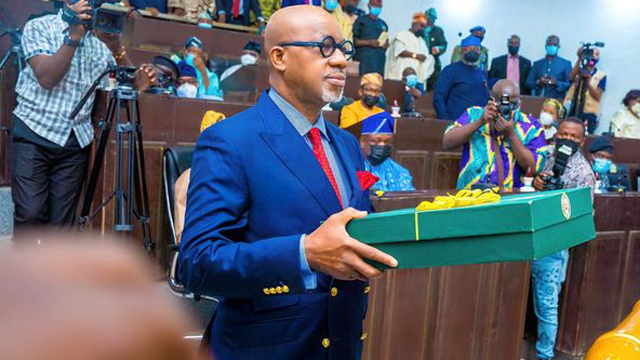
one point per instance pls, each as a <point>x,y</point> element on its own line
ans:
<point>318,151</point>
<point>236,8</point>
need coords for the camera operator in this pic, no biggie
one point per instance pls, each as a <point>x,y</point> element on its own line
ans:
<point>548,273</point>
<point>500,142</point>
<point>595,83</point>
<point>50,151</point>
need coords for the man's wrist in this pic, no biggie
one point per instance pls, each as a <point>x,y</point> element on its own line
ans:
<point>119,52</point>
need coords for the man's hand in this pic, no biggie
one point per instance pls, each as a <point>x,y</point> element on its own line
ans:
<point>178,12</point>
<point>552,81</point>
<point>145,77</point>
<point>153,11</point>
<point>331,250</point>
<point>538,183</point>
<point>414,92</point>
<point>386,45</point>
<point>421,57</point>
<point>198,61</point>
<point>112,41</point>
<point>505,127</point>
<point>490,112</point>
<point>77,32</point>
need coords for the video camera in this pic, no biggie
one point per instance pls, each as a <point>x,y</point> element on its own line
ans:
<point>506,107</point>
<point>105,19</point>
<point>586,54</point>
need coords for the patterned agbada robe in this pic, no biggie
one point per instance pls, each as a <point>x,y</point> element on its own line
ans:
<point>393,177</point>
<point>478,161</point>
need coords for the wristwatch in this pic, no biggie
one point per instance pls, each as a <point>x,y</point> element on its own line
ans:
<point>414,55</point>
<point>69,42</point>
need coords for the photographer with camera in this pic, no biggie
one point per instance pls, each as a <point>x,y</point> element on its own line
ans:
<point>566,168</point>
<point>585,75</point>
<point>49,150</point>
<point>500,142</point>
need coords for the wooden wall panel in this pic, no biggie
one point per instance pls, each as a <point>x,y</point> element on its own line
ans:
<point>444,170</point>
<point>418,162</point>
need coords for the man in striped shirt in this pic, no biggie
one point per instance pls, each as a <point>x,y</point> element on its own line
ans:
<point>50,151</point>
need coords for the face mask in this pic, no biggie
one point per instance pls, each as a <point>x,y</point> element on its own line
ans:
<point>248,59</point>
<point>370,101</point>
<point>546,119</point>
<point>601,165</point>
<point>379,153</point>
<point>331,5</point>
<point>636,109</point>
<point>189,59</point>
<point>187,91</point>
<point>375,11</point>
<point>471,58</point>
<point>513,50</point>
<point>205,25</point>
<point>552,50</point>
<point>412,80</point>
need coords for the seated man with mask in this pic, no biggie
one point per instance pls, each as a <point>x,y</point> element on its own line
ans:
<point>377,141</point>
<point>250,55</point>
<point>548,273</point>
<point>502,126</point>
<point>187,82</point>
<point>370,91</point>
<point>611,176</point>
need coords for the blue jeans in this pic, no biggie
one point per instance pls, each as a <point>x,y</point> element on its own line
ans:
<point>548,274</point>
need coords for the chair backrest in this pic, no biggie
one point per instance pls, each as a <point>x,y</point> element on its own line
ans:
<point>176,160</point>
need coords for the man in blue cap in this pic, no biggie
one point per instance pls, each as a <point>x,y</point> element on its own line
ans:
<point>461,84</point>
<point>194,55</point>
<point>483,63</point>
<point>377,144</point>
<point>436,43</point>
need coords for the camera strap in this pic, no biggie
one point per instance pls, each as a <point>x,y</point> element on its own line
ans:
<point>497,154</point>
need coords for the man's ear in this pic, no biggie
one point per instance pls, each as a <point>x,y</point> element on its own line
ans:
<point>278,58</point>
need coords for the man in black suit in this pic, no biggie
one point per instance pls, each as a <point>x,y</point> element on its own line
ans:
<point>238,12</point>
<point>511,66</point>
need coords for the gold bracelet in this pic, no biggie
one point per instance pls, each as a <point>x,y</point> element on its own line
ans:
<point>119,56</point>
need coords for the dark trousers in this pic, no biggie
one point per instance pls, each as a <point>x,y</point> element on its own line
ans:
<point>46,183</point>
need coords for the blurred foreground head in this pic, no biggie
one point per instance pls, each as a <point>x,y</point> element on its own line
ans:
<point>81,297</point>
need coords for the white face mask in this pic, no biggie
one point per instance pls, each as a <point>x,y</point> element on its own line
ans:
<point>546,119</point>
<point>248,59</point>
<point>187,91</point>
<point>636,109</point>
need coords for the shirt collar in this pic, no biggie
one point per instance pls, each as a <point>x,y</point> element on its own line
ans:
<point>295,117</point>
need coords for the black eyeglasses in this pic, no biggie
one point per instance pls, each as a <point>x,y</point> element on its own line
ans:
<point>327,46</point>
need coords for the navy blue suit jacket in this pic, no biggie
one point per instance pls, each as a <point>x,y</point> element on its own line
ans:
<point>255,188</point>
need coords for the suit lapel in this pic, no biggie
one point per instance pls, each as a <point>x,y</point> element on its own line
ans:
<point>296,155</point>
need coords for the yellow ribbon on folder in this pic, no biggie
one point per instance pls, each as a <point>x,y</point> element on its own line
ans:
<point>462,199</point>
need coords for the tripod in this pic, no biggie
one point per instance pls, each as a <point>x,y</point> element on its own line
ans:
<point>15,49</point>
<point>577,102</point>
<point>129,131</point>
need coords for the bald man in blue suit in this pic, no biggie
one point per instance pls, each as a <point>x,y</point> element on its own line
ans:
<point>270,193</point>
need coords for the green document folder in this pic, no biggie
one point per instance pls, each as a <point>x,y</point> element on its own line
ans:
<point>520,227</point>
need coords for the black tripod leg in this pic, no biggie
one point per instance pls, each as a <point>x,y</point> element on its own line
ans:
<point>141,182</point>
<point>97,165</point>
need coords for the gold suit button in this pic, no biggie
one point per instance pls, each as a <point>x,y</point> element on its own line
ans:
<point>279,289</point>
<point>326,342</point>
<point>285,289</point>
<point>364,336</point>
<point>334,291</point>
<point>367,289</point>
<point>266,291</point>
<point>272,290</point>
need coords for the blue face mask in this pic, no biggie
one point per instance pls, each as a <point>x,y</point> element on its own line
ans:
<point>552,50</point>
<point>205,25</point>
<point>412,80</point>
<point>601,165</point>
<point>331,5</point>
<point>189,59</point>
<point>375,11</point>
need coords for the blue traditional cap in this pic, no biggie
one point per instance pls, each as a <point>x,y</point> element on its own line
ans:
<point>432,14</point>
<point>194,41</point>
<point>380,123</point>
<point>477,28</point>
<point>186,69</point>
<point>470,41</point>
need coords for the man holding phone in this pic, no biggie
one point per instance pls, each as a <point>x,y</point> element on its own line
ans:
<point>501,143</point>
